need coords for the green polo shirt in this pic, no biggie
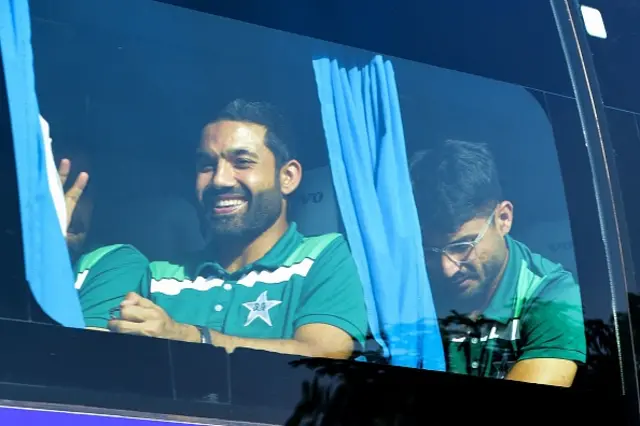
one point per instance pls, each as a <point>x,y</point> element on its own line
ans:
<point>104,277</point>
<point>301,280</point>
<point>536,312</point>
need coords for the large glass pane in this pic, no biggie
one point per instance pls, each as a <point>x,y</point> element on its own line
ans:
<point>249,191</point>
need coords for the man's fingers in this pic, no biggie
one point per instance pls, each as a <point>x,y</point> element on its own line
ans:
<point>81,181</point>
<point>146,303</point>
<point>125,327</point>
<point>73,194</point>
<point>135,313</point>
<point>131,298</point>
<point>139,316</point>
<point>136,299</point>
<point>63,170</point>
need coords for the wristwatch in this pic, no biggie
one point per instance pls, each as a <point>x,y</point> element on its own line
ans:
<point>205,335</point>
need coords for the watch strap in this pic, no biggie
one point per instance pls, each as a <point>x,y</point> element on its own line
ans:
<point>205,335</point>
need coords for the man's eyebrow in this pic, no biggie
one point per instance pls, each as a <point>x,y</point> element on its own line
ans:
<point>464,239</point>
<point>237,152</point>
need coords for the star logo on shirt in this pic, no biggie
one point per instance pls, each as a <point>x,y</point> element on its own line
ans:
<point>260,309</point>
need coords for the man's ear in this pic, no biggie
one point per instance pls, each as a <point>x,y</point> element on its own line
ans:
<point>504,217</point>
<point>290,177</point>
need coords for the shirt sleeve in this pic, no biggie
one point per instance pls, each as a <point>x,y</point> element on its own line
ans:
<point>553,322</point>
<point>104,279</point>
<point>333,293</point>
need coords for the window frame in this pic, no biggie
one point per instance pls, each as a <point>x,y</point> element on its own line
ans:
<point>602,165</point>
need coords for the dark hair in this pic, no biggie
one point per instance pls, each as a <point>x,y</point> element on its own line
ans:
<point>454,183</point>
<point>278,137</point>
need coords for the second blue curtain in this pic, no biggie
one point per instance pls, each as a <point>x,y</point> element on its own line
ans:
<point>365,139</point>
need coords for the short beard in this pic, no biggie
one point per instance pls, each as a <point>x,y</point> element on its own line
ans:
<point>263,210</point>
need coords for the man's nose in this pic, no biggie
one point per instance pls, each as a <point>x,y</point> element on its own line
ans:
<point>224,176</point>
<point>449,267</point>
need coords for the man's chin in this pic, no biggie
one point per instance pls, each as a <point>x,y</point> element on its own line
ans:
<point>224,230</point>
<point>469,287</point>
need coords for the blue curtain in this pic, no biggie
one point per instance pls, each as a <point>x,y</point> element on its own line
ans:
<point>47,264</point>
<point>365,139</point>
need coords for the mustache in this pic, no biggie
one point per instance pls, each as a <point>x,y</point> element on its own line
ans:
<point>211,194</point>
<point>459,277</point>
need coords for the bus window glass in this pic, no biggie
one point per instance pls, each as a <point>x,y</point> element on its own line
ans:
<point>249,188</point>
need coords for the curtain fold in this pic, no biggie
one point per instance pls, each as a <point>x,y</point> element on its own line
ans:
<point>365,139</point>
<point>47,265</point>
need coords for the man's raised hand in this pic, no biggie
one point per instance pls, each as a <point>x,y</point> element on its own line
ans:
<point>73,194</point>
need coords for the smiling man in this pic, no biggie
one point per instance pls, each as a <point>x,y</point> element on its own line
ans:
<point>259,284</point>
<point>520,314</point>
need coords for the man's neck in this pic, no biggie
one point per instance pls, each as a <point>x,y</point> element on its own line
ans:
<point>236,256</point>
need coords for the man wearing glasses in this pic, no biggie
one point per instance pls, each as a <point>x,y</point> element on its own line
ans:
<point>516,315</point>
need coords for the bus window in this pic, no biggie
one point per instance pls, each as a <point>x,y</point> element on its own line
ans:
<point>254,194</point>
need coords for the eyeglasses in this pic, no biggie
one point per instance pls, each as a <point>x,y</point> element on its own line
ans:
<point>460,253</point>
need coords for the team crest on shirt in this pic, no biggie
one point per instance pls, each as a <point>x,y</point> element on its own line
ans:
<point>260,309</point>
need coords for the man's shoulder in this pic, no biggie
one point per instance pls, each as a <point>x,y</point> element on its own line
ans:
<point>120,253</point>
<point>102,263</point>
<point>315,247</point>
<point>533,266</point>
<point>162,269</point>
<point>541,278</point>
